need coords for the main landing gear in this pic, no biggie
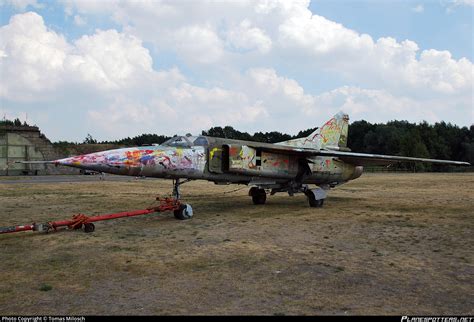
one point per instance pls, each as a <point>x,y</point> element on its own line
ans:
<point>315,197</point>
<point>185,211</point>
<point>313,202</point>
<point>259,196</point>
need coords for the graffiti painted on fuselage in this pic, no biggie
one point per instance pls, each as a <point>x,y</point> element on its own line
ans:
<point>321,164</point>
<point>155,157</point>
<point>242,157</point>
<point>275,162</point>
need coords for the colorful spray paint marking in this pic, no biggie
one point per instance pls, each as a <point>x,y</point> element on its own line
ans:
<point>241,157</point>
<point>213,153</point>
<point>248,156</point>
<point>149,158</point>
<point>244,159</point>
<point>275,162</point>
<point>344,131</point>
<point>322,164</point>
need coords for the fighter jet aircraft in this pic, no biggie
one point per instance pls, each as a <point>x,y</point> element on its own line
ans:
<point>321,159</point>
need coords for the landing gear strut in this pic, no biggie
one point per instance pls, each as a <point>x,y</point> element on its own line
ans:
<point>259,196</point>
<point>176,184</point>
<point>185,211</point>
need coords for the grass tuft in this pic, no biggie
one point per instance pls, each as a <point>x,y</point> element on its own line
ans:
<point>45,287</point>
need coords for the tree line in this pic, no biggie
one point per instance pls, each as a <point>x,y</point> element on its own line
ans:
<point>439,141</point>
<point>15,122</point>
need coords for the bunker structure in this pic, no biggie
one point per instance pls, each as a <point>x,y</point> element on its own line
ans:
<point>27,143</point>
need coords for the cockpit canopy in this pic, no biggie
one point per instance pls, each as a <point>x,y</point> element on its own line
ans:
<point>186,141</point>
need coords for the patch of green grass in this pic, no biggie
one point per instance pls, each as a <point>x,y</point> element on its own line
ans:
<point>45,288</point>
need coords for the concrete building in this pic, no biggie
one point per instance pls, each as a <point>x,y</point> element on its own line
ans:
<point>18,143</point>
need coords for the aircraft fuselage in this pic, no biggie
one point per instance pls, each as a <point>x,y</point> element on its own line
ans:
<point>219,160</point>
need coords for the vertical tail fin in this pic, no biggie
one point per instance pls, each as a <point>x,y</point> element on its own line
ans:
<point>332,135</point>
<point>334,132</point>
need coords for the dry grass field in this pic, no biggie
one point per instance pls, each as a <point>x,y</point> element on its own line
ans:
<point>382,244</point>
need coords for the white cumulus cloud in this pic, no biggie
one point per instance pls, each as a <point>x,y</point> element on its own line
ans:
<point>246,37</point>
<point>36,60</point>
<point>232,66</point>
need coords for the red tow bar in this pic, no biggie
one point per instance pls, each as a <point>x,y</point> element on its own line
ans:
<point>80,220</point>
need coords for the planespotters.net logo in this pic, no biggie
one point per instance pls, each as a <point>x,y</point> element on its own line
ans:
<point>437,319</point>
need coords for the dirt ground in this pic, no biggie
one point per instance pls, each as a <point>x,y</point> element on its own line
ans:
<point>383,244</point>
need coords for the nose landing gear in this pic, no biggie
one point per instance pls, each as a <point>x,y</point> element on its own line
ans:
<point>185,211</point>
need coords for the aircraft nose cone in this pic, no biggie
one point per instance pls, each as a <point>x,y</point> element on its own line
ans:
<point>84,160</point>
<point>65,161</point>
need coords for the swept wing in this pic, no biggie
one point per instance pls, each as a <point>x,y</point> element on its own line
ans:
<point>354,158</point>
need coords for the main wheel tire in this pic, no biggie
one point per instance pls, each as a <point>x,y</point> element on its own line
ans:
<point>259,196</point>
<point>259,199</point>
<point>253,191</point>
<point>313,202</point>
<point>184,212</point>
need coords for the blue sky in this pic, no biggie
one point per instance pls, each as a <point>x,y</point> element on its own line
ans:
<point>432,26</point>
<point>174,67</point>
<point>439,25</point>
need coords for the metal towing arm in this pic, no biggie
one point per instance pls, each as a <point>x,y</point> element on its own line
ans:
<point>82,221</point>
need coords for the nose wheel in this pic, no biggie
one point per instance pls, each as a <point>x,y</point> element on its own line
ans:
<point>184,212</point>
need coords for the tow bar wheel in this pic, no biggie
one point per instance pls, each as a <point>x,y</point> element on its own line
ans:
<point>89,227</point>
<point>184,212</point>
